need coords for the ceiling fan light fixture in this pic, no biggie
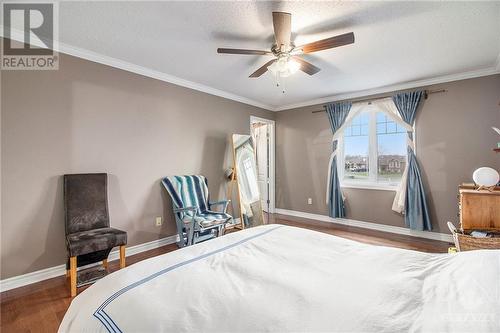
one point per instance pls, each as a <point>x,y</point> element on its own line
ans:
<point>293,66</point>
<point>284,67</point>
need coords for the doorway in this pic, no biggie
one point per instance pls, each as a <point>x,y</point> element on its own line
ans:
<point>262,131</point>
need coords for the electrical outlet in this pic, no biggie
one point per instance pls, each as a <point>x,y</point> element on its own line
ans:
<point>309,201</point>
<point>159,221</point>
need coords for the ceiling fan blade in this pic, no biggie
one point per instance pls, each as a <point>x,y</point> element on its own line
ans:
<point>282,23</point>
<point>262,69</point>
<point>307,67</point>
<point>328,43</point>
<point>242,51</point>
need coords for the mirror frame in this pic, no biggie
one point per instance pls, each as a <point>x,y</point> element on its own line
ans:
<point>235,178</point>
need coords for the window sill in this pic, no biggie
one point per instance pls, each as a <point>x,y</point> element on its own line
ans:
<point>365,186</point>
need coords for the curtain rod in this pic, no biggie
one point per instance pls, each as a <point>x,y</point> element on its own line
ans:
<point>426,93</point>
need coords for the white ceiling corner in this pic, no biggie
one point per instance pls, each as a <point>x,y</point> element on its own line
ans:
<point>399,45</point>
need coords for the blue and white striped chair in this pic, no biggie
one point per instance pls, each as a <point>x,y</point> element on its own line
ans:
<point>195,220</point>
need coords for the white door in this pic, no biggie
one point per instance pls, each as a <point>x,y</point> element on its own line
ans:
<point>261,136</point>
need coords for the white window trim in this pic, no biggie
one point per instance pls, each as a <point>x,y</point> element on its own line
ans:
<point>370,184</point>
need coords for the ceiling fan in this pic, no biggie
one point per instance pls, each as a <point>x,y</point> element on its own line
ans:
<point>287,60</point>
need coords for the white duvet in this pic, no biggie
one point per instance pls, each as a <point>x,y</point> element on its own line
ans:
<point>283,279</point>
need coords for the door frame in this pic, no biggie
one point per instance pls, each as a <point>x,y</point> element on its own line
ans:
<point>272,158</point>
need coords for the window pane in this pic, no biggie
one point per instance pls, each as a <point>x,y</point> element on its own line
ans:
<point>381,129</point>
<point>401,129</point>
<point>391,157</point>
<point>364,118</point>
<point>364,130</point>
<point>391,127</point>
<point>381,117</point>
<point>356,130</point>
<point>356,151</point>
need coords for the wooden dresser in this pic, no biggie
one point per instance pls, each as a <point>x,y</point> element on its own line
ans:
<point>479,210</point>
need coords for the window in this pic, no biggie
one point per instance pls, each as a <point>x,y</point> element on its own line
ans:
<point>372,151</point>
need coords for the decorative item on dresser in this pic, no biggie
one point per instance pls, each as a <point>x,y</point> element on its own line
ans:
<point>479,212</point>
<point>486,178</point>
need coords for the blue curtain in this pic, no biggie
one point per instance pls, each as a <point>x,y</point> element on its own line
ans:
<point>337,114</point>
<point>416,211</point>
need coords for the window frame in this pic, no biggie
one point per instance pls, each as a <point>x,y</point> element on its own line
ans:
<point>372,182</point>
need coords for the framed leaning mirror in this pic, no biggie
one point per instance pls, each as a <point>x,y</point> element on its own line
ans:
<point>245,168</point>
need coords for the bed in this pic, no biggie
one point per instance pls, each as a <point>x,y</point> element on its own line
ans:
<point>281,279</point>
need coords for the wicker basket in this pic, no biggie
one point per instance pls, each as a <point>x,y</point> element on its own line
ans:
<point>466,242</point>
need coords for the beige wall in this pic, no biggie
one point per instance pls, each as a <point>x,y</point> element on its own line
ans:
<point>87,117</point>
<point>454,137</point>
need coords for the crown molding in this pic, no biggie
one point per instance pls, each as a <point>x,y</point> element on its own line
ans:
<point>147,72</point>
<point>127,66</point>
<point>396,87</point>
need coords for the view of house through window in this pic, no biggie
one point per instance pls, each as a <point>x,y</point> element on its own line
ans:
<point>391,149</point>
<point>374,150</point>
<point>356,148</point>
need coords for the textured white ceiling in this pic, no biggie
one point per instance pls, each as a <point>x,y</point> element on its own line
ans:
<point>396,42</point>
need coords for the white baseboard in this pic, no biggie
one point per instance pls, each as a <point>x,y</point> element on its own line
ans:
<point>51,272</point>
<point>369,225</point>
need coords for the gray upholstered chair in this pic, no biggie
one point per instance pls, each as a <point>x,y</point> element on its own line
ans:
<point>89,239</point>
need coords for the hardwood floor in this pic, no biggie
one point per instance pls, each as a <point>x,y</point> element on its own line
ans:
<point>40,307</point>
<point>365,235</point>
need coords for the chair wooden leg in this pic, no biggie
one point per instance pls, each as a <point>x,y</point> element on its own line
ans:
<point>72,275</point>
<point>122,256</point>
<point>105,264</point>
<point>67,273</point>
